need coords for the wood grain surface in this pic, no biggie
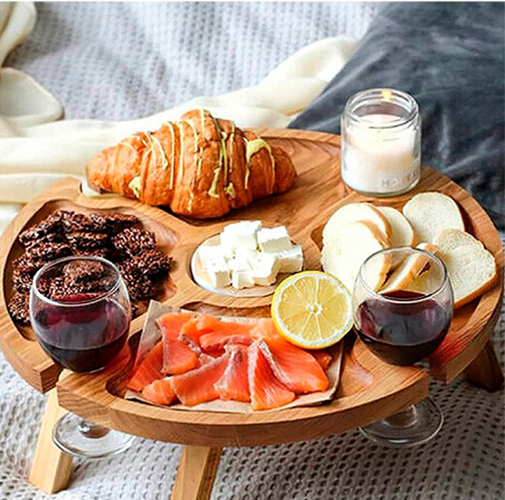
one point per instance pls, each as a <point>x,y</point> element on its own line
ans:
<point>51,468</point>
<point>317,193</point>
<point>196,473</point>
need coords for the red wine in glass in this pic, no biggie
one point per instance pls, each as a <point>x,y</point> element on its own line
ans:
<point>83,338</point>
<point>405,330</point>
<point>402,326</point>
<point>80,313</point>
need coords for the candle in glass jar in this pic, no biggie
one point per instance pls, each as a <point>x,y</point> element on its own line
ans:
<point>381,142</point>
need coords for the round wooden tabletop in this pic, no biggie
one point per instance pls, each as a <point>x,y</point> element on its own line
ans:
<point>304,209</point>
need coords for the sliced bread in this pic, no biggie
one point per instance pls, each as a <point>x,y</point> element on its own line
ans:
<point>471,268</point>
<point>429,247</point>
<point>349,246</point>
<point>354,212</point>
<point>402,233</point>
<point>431,213</point>
<point>404,274</point>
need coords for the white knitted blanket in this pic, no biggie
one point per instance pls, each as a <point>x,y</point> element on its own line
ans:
<point>115,61</point>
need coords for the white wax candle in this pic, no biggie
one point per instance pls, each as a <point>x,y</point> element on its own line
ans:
<point>378,157</point>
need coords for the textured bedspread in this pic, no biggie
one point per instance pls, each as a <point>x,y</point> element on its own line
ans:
<point>116,61</point>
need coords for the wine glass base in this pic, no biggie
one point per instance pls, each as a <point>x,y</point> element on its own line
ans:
<point>81,438</point>
<point>414,426</point>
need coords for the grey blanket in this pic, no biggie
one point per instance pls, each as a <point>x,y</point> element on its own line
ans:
<point>450,56</point>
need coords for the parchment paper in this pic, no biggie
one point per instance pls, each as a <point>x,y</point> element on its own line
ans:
<point>151,335</point>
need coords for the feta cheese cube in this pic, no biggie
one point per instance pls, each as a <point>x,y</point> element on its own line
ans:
<point>215,265</point>
<point>265,270</point>
<point>245,226</point>
<point>209,253</point>
<point>219,273</point>
<point>227,242</point>
<point>241,236</point>
<point>290,261</point>
<point>239,263</point>
<point>251,256</point>
<point>241,279</point>
<point>274,239</point>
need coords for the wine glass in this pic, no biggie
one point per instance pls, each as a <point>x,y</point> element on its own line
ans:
<point>80,313</point>
<point>402,323</point>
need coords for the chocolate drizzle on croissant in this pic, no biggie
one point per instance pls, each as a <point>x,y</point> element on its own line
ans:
<point>201,166</point>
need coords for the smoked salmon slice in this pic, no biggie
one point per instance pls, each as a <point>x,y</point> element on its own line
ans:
<point>223,333</point>
<point>234,383</point>
<point>150,369</point>
<point>204,358</point>
<point>198,326</point>
<point>266,329</point>
<point>171,324</point>
<point>159,392</point>
<point>212,334</point>
<point>216,341</point>
<point>198,386</point>
<point>267,391</point>
<point>178,357</point>
<point>323,358</point>
<point>297,369</point>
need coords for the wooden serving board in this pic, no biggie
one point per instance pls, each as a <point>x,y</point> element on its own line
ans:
<point>304,210</point>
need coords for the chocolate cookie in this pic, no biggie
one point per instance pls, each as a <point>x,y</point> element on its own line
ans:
<point>49,225</point>
<point>84,240</point>
<point>95,252</point>
<point>46,252</point>
<point>48,238</point>
<point>139,287</point>
<point>133,241</point>
<point>27,265</point>
<point>22,281</point>
<point>151,262</point>
<point>75,222</point>
<point>83,270</point>
<point>19,308</point>
<point>113,222</point>
<point>59,290</point>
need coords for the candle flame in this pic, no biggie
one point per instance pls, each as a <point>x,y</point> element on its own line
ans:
<point>386,94</point>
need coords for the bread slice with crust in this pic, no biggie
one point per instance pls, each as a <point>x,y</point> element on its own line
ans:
<point>471,267</point>
<point>404,274</point>
<point>349,246</point>
<point>353,212</point>
<point>432,212</point>
<point>402,233</point>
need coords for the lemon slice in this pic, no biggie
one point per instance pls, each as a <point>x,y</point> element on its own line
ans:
<point>312,309</point>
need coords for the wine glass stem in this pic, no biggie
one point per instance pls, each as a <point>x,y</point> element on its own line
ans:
<point>403,419</point>
<point>91,430</point>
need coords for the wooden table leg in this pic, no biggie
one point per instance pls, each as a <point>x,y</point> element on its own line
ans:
<point>51,467</point>
<point>485,371</point>
<point>196,474</point>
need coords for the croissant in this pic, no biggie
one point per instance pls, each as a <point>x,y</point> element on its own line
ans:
<point>201,167</point>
